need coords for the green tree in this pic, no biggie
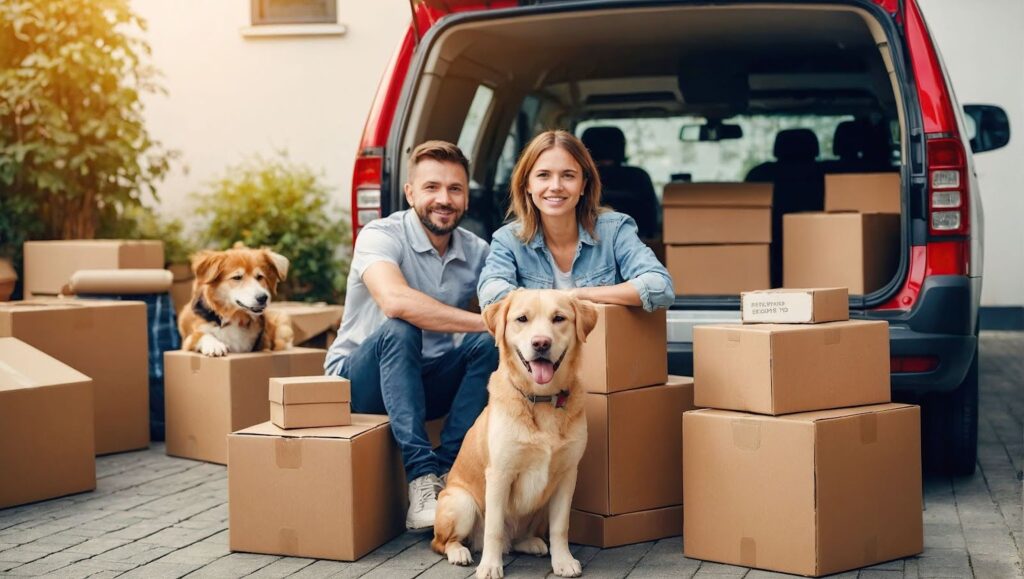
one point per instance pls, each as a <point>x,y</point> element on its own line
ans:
<point>276,203</point>
<point>74,150</point>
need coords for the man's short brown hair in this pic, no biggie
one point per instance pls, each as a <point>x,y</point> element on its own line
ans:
<point>441,151</point>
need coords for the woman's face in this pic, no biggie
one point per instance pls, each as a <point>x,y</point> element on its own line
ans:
<point>555,183</point>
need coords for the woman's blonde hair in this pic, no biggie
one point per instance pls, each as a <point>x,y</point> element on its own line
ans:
<point>522,207</point>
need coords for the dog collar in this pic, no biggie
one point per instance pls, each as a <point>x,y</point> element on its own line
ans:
<point>560,399</point>
<point>203,311</point>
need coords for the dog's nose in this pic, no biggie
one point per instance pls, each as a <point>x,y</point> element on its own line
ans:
<point>541,343</point>
<point>262,299</point>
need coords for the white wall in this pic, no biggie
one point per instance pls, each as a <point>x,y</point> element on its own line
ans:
<point>983,50</point>
<point>231,95</point>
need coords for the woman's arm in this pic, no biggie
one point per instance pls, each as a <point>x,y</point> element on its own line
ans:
<point>641,269</point>
<point>622,294</point>
<point>498,276</point>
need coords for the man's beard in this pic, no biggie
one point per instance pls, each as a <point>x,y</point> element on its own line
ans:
<point>435,228</point>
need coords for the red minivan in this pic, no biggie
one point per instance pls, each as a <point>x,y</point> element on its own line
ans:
<point>782,92</point>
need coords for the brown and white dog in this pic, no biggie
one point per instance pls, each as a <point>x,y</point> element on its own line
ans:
<point>230,295</point>
<point>514,477</point>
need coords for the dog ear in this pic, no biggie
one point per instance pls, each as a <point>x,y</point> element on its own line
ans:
<point>494,317</point>
<point>586,318</point>
<point>206,265</point>
<point>277,261</point>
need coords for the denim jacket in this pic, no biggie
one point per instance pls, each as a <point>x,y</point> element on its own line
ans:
<point>617,255</point>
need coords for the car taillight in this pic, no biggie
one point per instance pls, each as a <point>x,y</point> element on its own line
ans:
<point>366,180</point>
<point>947,187</point>
<point>899,364</point>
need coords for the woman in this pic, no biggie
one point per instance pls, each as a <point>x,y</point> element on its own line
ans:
<point>562,238</point>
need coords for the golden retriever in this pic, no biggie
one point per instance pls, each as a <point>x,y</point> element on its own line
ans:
<point>228,310</point>
<point>514,477</point>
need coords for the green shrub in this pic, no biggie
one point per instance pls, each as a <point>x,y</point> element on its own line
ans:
<point>141,222</point>
<point>277,203</point>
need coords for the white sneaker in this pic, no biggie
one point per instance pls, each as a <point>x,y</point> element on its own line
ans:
<point>423,502</point>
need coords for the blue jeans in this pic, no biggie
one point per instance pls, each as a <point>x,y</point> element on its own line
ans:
<point>389,375</point>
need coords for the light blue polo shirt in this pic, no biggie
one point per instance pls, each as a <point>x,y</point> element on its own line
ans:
<point>400,239</point>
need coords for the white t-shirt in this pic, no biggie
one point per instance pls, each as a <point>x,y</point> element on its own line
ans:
<point>563,279</point>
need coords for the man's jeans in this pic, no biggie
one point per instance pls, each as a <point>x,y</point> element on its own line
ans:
<point>389,375</point>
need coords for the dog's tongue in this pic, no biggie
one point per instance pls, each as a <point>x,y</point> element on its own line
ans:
<point>542,370</point>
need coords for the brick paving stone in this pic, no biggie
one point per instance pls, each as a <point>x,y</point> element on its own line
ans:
<point>445,570</point>
<point>47,564</point>
<point>137,553</point>
<point>92,568</point>
<point>234,565</point>
<point>97,546</point>
<point>160,569</point>
<point>282,568</point>
<point>708,569</point>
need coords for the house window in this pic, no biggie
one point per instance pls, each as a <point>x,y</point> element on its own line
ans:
<point>294,12</point>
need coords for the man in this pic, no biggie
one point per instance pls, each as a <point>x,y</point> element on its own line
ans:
<point>407,342</point>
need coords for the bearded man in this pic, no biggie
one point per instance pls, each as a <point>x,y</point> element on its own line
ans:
<point>408,342</point>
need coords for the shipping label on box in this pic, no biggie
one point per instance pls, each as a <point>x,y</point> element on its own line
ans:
<point>310,401</point>
<point>627,349</point>
<point>632,460</point>
<point>49,264</point>
<point>810,494</point>
<point>46,426</point>
<point>105,340</point>
<point>784,368</point>
<point>795,306</point>
<point>207,398</point>
<point>326,493</point>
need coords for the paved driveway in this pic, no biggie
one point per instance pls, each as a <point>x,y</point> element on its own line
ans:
<point>155,516</point>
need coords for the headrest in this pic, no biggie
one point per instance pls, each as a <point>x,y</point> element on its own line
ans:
<point>796,145</point>
<point>851,139</point>
<point>605,144</point>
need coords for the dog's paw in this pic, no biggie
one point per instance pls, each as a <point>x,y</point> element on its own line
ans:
<point>459,555</point>
<point>567,567</point>
<point>532,546</point>
<point>490,570</point>
<point>210,346</point>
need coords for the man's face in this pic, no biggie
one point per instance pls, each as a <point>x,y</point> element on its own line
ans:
<point>439,194</point>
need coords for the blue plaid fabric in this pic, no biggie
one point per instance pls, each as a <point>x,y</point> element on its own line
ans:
<point>163,336</point>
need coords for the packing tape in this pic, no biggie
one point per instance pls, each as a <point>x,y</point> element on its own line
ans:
<point>748,552</point>
<point>746,434</point>
<point>288,541</point>
<point>732,337</point>
<point>288,453</point>
<point>831,336</point>
<point>868,428</point>
<point>7,372</point>
<point>195,363</point>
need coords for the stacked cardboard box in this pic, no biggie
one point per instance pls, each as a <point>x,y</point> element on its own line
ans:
<point>50,264</point>
<point>854,243</point>
<point>716,236</point>
<point>800,464</point>
<point>46,426</point>
<point>310,401</point>
<point>315,325</point>
<point>208,398</point>
<point>105,340</point>
<point>627,488</point>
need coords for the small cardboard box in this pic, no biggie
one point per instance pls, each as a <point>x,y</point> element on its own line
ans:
<point>795,306</point>
<point>49,264</point>
<point>627,349</point>
<point>46,426</point>
<point>811,494</point>
<point>310,401</point>
<point>327,493</point>
<point>863,192</point>
<point>105,340</point>
<point>703,213</point>
<point>208,398</point>
<point>632,461</point>
<point>313,323</point>
<point>8,279</point>
<point>718,269</point>
<point>784,368</point>
<point>859,251</point>
<point>615,531</point>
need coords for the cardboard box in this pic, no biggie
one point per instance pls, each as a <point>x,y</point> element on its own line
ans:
<point>810,494</point>
<point>328,493</point>
<point>783,368</point>
<point>627,349</point>
<point>718,269</point>
<point>795,306</point>
<point>310,401</point>
<point>702,213</point>
<point>632,461</point>
<point>863,192</point>
<point>105,340</point>
<point>859,251</point>
<point>8,279</point>
<point>311,322</point>
<point>181,286</point>
<point>615,531</point>
<point>208,398</point>
<point>46,426</point>
<point>49,264</point>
